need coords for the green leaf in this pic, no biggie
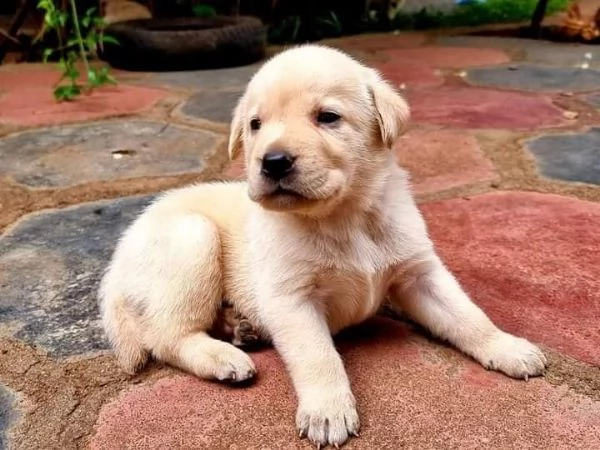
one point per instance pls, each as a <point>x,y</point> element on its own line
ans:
<point>105,76</point>
<point>88,17</point>
<point>99,22</point>
<point>62,64</point>
<point>67,92</point>
<point>109,39</point>
<point>50,20</point>
<point>111,80</point>
<point>72,56</point>
<point>203,11</point>
<point>93,78</point>
<point>59,93</point>
<point>71,71</point>
<point>62,18</point>
<point>91,41</point>
<point>47,53</point>
<point>75,89</point>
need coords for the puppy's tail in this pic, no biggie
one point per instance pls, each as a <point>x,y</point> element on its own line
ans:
<point>123,332</point>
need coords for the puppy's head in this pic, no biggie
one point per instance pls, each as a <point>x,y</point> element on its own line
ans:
<point>316,127</point>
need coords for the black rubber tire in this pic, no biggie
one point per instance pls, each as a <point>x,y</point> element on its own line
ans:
<point>185,43</point>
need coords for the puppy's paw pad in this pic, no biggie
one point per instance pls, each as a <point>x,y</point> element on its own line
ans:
<point>328,419</point>
<point>514,356</point>
<point>246,327</point>
<point>245,334</point>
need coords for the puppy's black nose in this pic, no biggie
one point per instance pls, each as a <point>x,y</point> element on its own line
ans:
<point>277,165</point>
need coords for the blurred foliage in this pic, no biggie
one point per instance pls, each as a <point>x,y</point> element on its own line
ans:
<point>292,21</point>
<point>474,13</point>
<point>297,28</point>
<point>203,10</point>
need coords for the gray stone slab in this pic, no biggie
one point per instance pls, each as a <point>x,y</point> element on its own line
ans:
<point>216,106</point>
<point>542,52</point>
<point>500,43</point>
<point>8,414</point>
<point>565,55</point>
<point>221,79</point>
<point>50,266</point>
<point>569,157</point>
<point>103,151</point>
<point>528,77</point>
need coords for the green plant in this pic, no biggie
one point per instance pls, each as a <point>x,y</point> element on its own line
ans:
<point>299,28</point>
<point>79,38</point>
<point>201,10</point>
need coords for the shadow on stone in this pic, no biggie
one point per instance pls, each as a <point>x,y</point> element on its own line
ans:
<point>205,79</point>
<point>50,267</point>
<point>214,106</point>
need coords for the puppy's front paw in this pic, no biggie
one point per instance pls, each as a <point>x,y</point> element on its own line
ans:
<point>514,356</point>
<point>328,417</point>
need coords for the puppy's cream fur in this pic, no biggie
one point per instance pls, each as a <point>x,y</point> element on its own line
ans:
<point>302,258</point>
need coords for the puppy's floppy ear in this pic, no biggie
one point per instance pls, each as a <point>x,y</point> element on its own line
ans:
<point>236,132</point>
<point>392,110</point>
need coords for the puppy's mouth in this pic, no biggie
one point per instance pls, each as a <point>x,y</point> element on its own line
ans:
<point>280,191</point>
<point>307,196</point>
<point>278,197</point>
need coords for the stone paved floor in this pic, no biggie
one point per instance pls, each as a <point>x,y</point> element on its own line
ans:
<point>504,150</point>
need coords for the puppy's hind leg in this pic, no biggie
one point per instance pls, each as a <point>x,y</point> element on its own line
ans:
<point>186,293</point>
<point>162,293</point>
<point>123,332</point>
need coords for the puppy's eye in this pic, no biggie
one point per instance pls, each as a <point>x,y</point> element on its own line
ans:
<point>255,124</point>
<point>328,117</point>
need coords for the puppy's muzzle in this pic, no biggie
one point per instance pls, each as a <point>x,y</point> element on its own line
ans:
<point>277,165</point>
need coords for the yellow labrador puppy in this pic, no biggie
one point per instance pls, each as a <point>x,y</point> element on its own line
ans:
<point>325,228</point>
